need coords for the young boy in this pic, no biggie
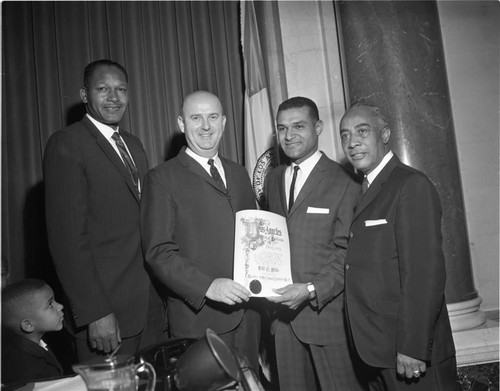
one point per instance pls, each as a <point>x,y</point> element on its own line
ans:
<point>29,310</point>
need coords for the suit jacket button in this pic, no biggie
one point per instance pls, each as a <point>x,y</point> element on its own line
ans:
<point>351,234</point>
<point>347,267</point>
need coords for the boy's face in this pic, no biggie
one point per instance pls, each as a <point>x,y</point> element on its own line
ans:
<point>47,314</point>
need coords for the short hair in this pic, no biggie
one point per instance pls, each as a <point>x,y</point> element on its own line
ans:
<point>91,68</point>
<point>17,299</point>
<point>382,120</point>
<point>299,101</point>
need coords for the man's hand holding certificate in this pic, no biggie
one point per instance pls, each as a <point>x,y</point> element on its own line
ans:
<point>261,252</point>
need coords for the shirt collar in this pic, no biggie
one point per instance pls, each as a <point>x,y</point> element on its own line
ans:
<point>372,175</point>
<point>203,160</point>
<point>307,165</point>
<point>106,130</point>
<point>43,344</point>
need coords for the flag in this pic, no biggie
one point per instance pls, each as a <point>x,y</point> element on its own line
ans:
<point>260,156</point>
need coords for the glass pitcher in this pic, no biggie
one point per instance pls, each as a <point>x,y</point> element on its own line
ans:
<point>119,373</point>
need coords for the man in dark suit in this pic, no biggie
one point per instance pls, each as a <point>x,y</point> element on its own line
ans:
<point>310,337</point>
<point>395,270</point>
<point>187,226</point>
<point>93,186</point>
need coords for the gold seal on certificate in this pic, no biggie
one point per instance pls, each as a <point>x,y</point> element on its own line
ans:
<point>261,252</point>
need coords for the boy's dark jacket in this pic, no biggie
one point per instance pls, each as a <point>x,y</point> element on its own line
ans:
<point>25,361</point>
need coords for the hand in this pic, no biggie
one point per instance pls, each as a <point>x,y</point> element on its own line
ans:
<point>104,334</point>
<point>409,367</point>
<point>227,291</point>
<point>292,295</point>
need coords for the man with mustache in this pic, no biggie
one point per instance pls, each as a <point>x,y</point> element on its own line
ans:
<point>395,272</point>
<point>93,179</point>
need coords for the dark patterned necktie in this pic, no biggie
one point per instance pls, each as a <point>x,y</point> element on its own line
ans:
<point>292,188</point>
<point>364,185</point>
<point>215,174</point>
<point>132,169</point>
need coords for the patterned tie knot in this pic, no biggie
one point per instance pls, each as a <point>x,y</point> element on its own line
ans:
<point>365,184</point>
<point>116,137</point>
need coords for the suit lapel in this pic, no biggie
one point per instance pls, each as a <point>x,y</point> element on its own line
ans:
<point>374,189</point>
<point>310,184</point>
<point>51,359</point>
<point>111,154</point>
<point>282,189</point>
<point>136,151</point>
<point>228,173</point>
<point>193,166</point>
<point>37,351</point>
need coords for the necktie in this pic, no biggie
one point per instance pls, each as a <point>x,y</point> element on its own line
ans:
<point>364,185</point>
<point>215,174</point>
<point>132,169</point>
<point>292,188</point>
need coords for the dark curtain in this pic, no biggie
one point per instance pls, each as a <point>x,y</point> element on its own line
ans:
<point>168,48</point>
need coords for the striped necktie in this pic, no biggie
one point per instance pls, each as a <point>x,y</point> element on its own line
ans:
<point>215,174</point>
<point>127,160</point>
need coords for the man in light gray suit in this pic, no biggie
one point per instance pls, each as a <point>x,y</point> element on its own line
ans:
<point>317,197</point>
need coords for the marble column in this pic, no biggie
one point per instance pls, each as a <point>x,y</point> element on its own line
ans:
<point>393,58</point>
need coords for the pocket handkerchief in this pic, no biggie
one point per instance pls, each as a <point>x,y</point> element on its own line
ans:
<point>322,211</point>
<point>371,223</point>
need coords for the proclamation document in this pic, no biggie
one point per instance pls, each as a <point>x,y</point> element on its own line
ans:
<point>261,252</point>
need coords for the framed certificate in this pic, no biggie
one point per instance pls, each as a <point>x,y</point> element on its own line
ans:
<point>261,252</point>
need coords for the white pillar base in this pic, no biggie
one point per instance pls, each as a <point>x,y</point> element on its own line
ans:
<point>479,345</point>
<point>466,314</point>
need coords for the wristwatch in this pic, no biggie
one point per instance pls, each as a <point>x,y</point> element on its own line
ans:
<point>312,290</point>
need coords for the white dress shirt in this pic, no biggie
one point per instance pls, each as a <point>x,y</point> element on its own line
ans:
<point>107,131</point>
<point>203,161</point>
<point>372,175</point>
<point>305,169</point>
